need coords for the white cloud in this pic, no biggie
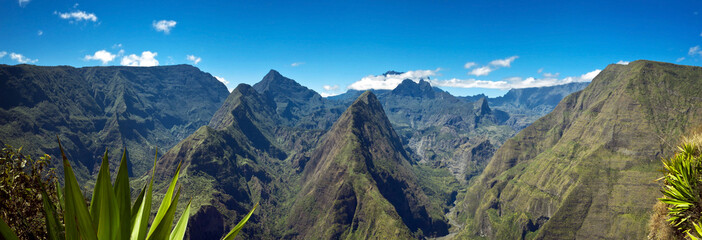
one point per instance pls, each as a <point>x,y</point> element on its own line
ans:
<point>164,26</point>
<point>221,79</point>
<point>2,54</point>
<point>40,32</point>
<point>23,3</point>
<point>680,59</point>
<point>494,65</point>
<point>551,75</point>
<point>117,45</point>
<point>622,62</point>
<point>330,88</point>
<point>194,59</point>
<point>324,94</point>
<point>694,51</point>
<point>482,71</point>
<point>21,58</point>
<point>295,64</point>
<point>469,65</point>
<point>147,59</point>
<point>102,55</point>
<point>390,81</point>
<point>504,62</point>
<point>77,16</point>
<point>514,82</point>
<point>540,70</point>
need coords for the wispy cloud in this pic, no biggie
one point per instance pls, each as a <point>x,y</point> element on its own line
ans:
<point>494,65</point>
<point>390,81</point>
<point>622,62</point>
<point>694,51</point>
<point>21,58</point>
<point>482,71</point>
<point>194,59</point>
<point>295,64</point>
<point>23,3</point>
<point>330,87</point>
<point>40,32</point>
<point>469,65</point>
<point>103,56</point>
<point>2,54</point>
<point>164,25</point>
<point>147,59</point>
<point>77,16</point>
<point>117,45</point>
<point>514,82</point>
<point>680,59</point>
<point>507,62</point>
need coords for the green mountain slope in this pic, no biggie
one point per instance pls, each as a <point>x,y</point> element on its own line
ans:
<point>359,184</point>
<point>94,108</point>
<point>253,150</point>
<point>587,169</point>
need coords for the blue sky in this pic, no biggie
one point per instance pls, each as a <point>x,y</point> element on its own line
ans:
<point>342,45</point>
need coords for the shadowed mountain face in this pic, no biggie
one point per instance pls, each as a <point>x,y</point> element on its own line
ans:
<point>587,169</point>
<point>96,108</point>
<point>359,183</point>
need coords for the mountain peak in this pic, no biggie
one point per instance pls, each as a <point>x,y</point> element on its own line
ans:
<point>360,167</point>
<point>415,89</point>
<point>481,106</point>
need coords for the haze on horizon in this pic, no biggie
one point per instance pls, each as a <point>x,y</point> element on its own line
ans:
<point>465,48</point>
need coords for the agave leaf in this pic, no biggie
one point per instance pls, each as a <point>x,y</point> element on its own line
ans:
<point>53,226</point>
<point>59,193</point>
<point>165,204</point>
<point>103,205</point>
<point>139,230</point>
<point>79,224</point>
<point>6,232</point>
<point>137,203</point>
<point>235,231</point>
<point>162,231</point>
<point>179,231</point>
<point>123,198</point>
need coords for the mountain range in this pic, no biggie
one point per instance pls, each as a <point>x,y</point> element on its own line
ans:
<point>364,164</point>
<point>96,108</point>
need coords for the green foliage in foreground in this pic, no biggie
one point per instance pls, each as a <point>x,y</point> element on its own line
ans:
<point>110,215</point>
<point>21,182</point>
<point>682,191</point>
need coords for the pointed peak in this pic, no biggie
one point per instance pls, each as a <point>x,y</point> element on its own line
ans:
<point>367,100</point>
<point>273,73</point>
<point>276,81</point>
<point>481,106</point>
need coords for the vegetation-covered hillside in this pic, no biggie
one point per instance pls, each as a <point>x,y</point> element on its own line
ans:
<point>587,169</point>
<point>95,108</point>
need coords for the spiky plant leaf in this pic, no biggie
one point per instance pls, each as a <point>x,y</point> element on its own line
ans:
<point>163,230</point>
<point>165,204</point>
<point>122,195</point>
<point>235,231</point>
<point>77,218</point>
<point>179,231</point>
<point>103,205</point>
<point>53,226</point>
<point>139,229</point>
<point>6,232</point>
